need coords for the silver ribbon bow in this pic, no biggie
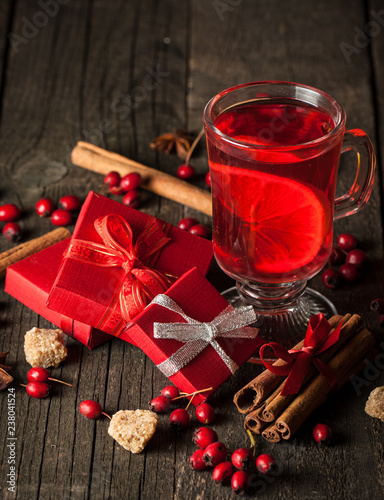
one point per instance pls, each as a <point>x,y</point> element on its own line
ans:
<point>196,336</point>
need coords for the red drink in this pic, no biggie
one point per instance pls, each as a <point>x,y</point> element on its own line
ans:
<point>273,191</point>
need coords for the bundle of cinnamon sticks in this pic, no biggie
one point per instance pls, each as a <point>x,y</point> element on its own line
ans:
<point>278,417</point>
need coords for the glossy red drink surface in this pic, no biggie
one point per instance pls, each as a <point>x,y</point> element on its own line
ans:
<point>272,199</point>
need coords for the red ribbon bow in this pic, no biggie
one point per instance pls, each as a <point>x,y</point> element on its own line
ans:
<point>139,283</point>
<point>317,340</point>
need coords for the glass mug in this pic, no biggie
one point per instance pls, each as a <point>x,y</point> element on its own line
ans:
<point>274,151</point>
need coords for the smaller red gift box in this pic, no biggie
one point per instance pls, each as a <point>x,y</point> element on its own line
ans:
<point>201,302</point>
<point>117,259</point>
<point>30,281</point>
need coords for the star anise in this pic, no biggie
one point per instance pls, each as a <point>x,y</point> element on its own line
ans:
<point>179,141</point>
<point>5,378</point>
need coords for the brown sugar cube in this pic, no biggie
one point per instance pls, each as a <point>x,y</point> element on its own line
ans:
<point>133,429</point>
<point>375,403</point>
<point>44,347</point>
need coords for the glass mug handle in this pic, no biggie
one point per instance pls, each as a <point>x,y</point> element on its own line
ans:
<point>357,196</point>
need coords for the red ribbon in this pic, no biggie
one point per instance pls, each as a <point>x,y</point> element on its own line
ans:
<point>317,340</point>
<point>139,283</point>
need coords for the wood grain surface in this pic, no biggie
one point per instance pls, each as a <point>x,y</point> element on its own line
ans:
<point>117,73</point>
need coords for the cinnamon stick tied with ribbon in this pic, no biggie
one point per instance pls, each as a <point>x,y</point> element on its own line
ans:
<point>99,160</point>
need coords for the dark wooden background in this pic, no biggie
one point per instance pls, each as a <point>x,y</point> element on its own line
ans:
<point>80,75</point>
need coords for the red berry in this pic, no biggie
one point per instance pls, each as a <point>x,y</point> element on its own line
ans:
<point>130,181</point>
<point>132,198</point>
<point>322,434</point>
<point>208,180</point>
<point>349,273</point>
<point>61,217</point>
<point>356,257</point>
<point>240,482</point>
<point>45,207</point>
<point>337,256</point>
<point>266,463</point>
<point>38,389</point>
<point>112,179</point>
<point>186,172</point>
<point>38,374</point>
<point>241,458</point>
<point>179,419</point>
<point>205,413</point>
<point>331,278</point>
<point>204,436</point>
<point>70,202</point>
<point>187,223</point>
<point>12,231</point>
<point>160,404</point>
<point>90,409</point>
<point>199,230</point>
<point>223,472</point>
<point>9,212</point>
<point>347,242</point>
<point>214,454</point>
<point>170,391</point>
<point>377,305</point>
<point>196,461</point>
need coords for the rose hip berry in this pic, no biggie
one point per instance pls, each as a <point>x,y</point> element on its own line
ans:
<point>205,413</point>
<point>240,482</point>
<point>266,463</point>
<point>132,198</point>
<point>214,454</point>
<point>322,434</point>
<point>9,212</point>
<point>196,461</point>
<point>70,202</point>
<point>45,207</point>
<point>356,257</point>
<point>130,181</point>
<point>186,172</point>
<point>38,390</point>
<point>223,472</point>
<point>331,278</point>
<point>241,458</point>
<point>179,419</point>
<point>91,409</point>
<point>199,230</point>
<point>112,179</point>
<point>186,223</point>
<point>204,436</point>
<point>160,404</point>
<point>349,273</point>
<point>346,242</point>
<point>12,231</point>
<point>337,256</point>
<point>170,391</point>
<point>61,217</point>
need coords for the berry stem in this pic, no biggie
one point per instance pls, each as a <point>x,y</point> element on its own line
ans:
<point>60,381</point>
<point>106,415</point>
<point>186,395</point>
<point>253,442</point>
<point>23,385</point>
<point>193,146</point>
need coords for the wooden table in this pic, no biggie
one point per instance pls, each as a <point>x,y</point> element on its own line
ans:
<point>117,74</point>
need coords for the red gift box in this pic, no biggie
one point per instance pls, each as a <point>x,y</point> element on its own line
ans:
<point>30,281</point>
<point>118,259</point>
<point>211,363</point>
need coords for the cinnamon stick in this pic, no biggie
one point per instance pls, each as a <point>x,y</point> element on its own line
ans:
<point>278,404</point>
<point>343,364</point>
<point>258,389</point>
<point>31,247</point>
<point>99,160</point>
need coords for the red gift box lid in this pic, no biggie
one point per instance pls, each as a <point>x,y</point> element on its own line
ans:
<point>199,300</point>
<point>88,292</point>
<point>30,281</point>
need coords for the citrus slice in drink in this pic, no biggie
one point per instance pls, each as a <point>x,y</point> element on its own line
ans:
<point>282,222</point>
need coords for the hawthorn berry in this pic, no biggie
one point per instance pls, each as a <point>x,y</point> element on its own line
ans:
<point>204,436</point>
<point>199,230</point>
<point>196,461</point>
<point>337,256</point>
<point>132,198</point>
<point>9,212</point>
<point>186,172</point>
<point>357,257</point>
<point>45,207</point>
<point>61,217</point>
<point>223,472</point>
<point>266,463</point>
<point>70,202</point>
<point>215,453</point>
<point>241,458</point>
<point>40,374</point>
<point>377,305</point>
<point>186,223</point>
<point>205,413</point>
<point>38,390</point>
<point>12,231</point>
<point>349,273</point>
<point>170,391</point>
<point>130,181</point>
<point>91,409</point>
<point>208,180</point>
<point>322,434</point>
<point>240,482</point>
<point>331,278</point>
<point>346,242</point>
<point>179,419</point>
<point>160,404</point>
<point>112,179</point>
